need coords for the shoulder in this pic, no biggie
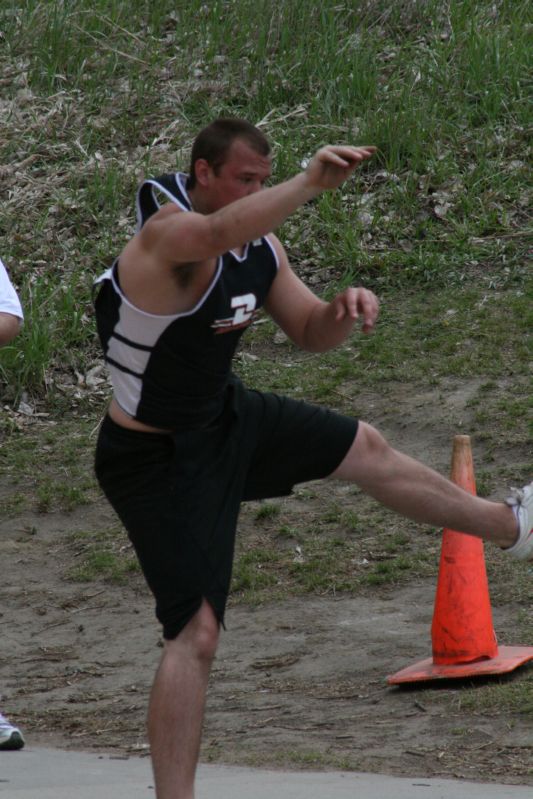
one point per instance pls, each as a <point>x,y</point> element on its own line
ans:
<point>166,217</point>
<point>173,236</point>
<point>154,193</point>
<point>278,249</point>
<point>276,245</point>
<point>166,211</point>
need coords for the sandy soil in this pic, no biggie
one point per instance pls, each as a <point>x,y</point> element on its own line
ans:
<point>300,682</point>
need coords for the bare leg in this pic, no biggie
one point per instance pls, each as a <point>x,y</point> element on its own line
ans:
<point>417,492</point>
<point>177,705</point>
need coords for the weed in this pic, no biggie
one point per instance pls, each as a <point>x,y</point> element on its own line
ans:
<point>12,505</point>
<point>389,572</point>
<point>253,571</point>
<point>267,510</point>
<point>103,557</point>
<point>53,494</point>
<point>285,531</point>
<point>516,697</point>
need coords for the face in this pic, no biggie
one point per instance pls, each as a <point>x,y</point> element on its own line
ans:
<point>243,173</point>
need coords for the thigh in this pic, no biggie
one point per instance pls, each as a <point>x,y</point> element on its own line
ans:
<point>296,442</point>
<point>134,470</point>
<point>179,507</point>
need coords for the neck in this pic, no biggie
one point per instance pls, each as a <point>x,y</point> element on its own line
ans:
<point>197,202</point>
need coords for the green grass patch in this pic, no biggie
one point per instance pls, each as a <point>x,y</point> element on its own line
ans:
<point>50,465</point>
<point>267,510</point>
<point>304,551</point>
<point>427,339</point>
<point>102,556</point>
<point>12,505</point>
<point>55,494</point>
<point>507,697</point>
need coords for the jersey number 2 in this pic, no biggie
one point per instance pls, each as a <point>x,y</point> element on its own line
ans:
<point>244,308</point>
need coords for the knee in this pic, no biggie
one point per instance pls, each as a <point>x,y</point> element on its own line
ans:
<point>370,443</point>
<point>368,448</point>
<point>202,633</point>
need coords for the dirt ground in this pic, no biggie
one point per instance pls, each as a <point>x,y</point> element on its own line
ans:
<point>298,683</point>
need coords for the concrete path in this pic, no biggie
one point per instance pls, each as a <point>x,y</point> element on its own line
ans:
<point>35,773</point>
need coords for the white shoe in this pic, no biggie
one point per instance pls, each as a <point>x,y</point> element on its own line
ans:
<point>521,502</point>
<point>10,737</point>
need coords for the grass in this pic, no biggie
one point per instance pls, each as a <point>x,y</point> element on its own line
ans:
<point>56,493</point>
<point>308,546</point>
<point>47,467</point>
<point>514,698</point>
<point>460,333</point>
<point>102,557</point>
<point>102,93</point>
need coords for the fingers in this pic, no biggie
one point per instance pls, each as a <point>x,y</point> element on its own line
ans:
<point>345,155</point>
<point>356,302</point>
<point>369,310</point>
<point>333,164</point>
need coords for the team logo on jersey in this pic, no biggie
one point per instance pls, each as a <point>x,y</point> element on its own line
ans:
<point>245,313</point>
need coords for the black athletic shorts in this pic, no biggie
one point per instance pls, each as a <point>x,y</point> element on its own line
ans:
<point>178,494</point>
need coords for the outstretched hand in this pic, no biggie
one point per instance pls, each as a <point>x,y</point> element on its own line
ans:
<point>354,303</point>
<point>333,164</point>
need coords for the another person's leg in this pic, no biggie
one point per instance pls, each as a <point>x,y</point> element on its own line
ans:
<point>177,705</point>
<point>417,492</point>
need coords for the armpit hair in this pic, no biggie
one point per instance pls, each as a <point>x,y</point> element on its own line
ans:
<point>183,274</point>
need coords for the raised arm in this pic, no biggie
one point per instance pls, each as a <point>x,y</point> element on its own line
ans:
<point>176,237</point>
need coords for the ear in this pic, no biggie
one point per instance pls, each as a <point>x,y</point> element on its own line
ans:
<point>203,172</point>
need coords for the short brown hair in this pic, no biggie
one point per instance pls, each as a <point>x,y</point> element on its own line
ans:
<point>215,140</point>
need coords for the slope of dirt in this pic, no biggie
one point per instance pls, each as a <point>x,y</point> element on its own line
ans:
<point>300,681</point>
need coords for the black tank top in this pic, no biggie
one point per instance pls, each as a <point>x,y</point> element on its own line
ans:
<point>173,371</point>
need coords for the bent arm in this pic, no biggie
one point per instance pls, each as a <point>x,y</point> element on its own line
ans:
<point>191,237</point>
<point>9,327</point>
<point>311,323</point>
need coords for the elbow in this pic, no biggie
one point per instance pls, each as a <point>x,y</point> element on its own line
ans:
<point>9,328</point>
<point>313,343</point>
<point>317,347</point>
<point>315,336</point>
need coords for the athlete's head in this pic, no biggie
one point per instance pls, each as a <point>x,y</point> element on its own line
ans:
<point>213,144</point>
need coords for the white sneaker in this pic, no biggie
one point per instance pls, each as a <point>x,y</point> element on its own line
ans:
<point>522,503</point>
<point>10,737</point>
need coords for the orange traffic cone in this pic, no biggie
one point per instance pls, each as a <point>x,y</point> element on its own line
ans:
<point>463,639</point>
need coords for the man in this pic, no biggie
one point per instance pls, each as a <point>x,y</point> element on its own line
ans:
<point>10,321</point>
<point>185,442</point>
